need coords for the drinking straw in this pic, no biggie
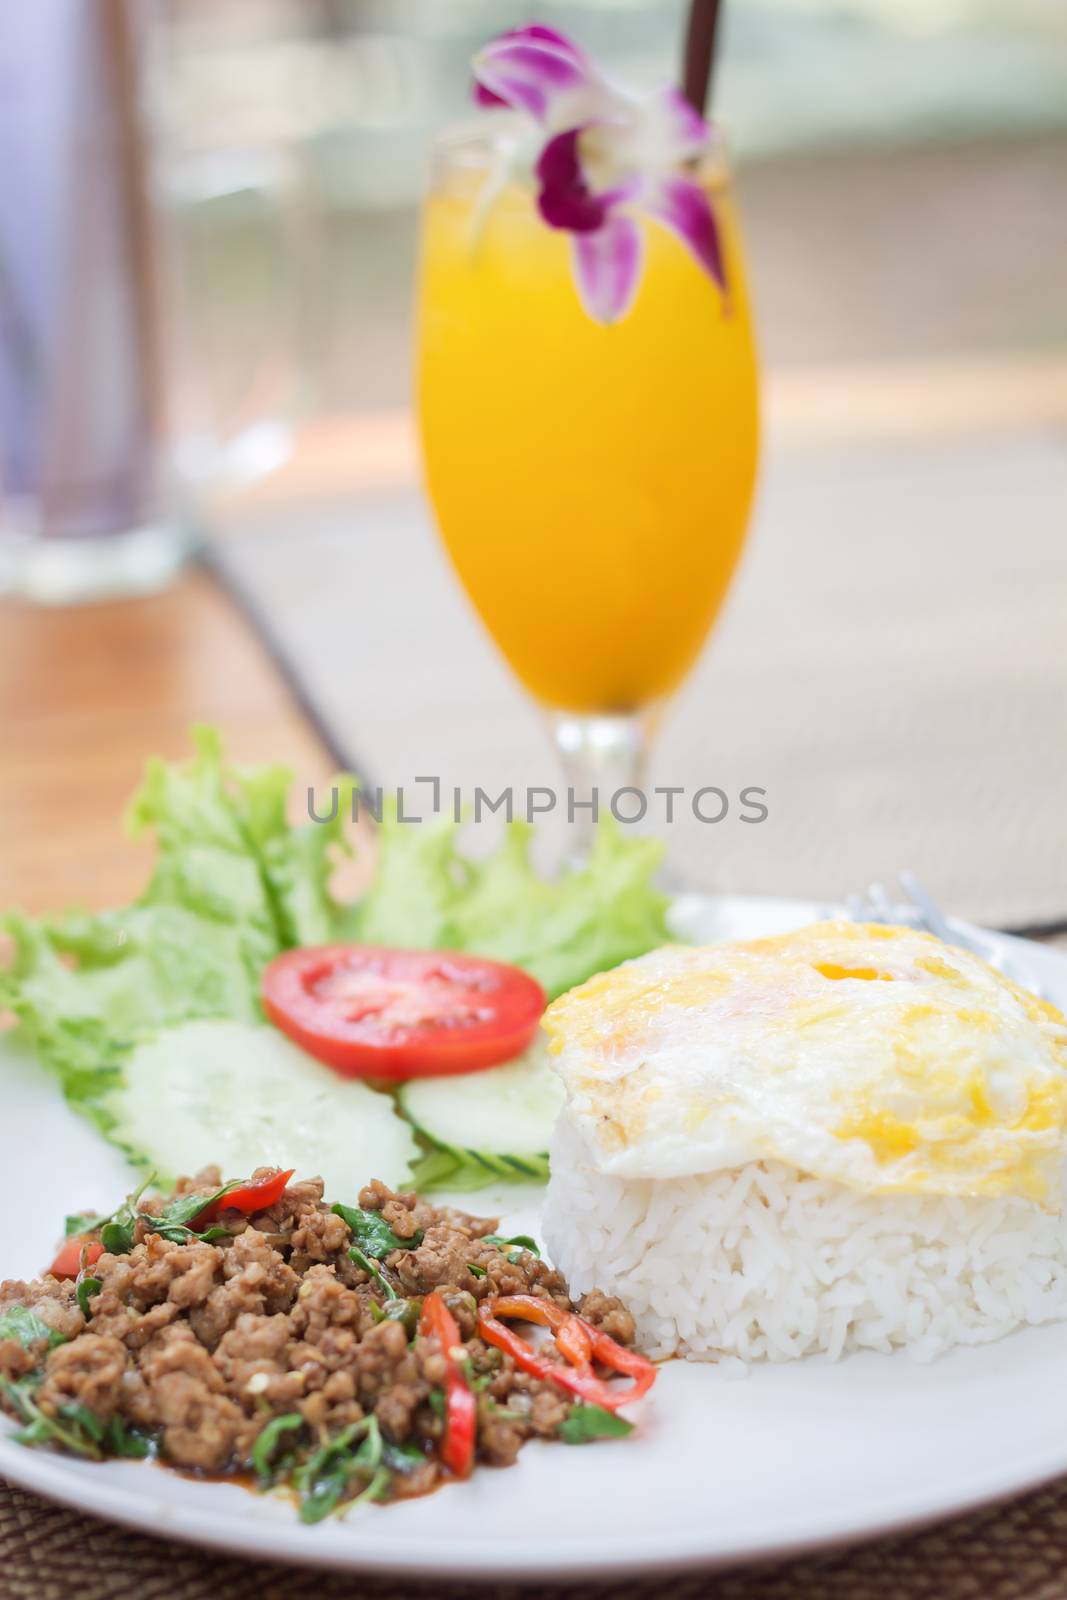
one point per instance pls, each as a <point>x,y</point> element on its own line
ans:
<point>700,40</point>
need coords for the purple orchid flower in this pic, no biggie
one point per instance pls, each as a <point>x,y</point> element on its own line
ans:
<point>609,156</point>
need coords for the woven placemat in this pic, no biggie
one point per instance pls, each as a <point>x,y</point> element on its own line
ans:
<point>1012,1552</point>
<point>890,669</point>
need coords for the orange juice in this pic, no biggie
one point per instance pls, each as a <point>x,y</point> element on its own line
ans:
<point>592,483</point>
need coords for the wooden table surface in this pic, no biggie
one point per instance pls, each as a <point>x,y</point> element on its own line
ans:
<point>86,693</point>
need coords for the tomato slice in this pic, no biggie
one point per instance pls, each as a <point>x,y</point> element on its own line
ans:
<point>372,1012</point>
<point>68,1262</point>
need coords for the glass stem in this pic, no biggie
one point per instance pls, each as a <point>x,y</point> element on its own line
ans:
<point>600,755</point>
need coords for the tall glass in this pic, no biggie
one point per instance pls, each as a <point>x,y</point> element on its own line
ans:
<point>153,248</point>
<point>592,484</point>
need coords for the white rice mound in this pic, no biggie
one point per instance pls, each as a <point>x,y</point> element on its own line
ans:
<point>763,1262</point>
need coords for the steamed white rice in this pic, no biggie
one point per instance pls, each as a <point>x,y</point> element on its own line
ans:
<point>765,1263</point>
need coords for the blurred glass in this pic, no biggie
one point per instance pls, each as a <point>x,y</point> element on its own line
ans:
<point>125,405</point>
<point>355,90</point>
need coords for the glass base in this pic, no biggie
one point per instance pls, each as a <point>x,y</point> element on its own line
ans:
<point>603,750</point>
<point>60,572</point>
<point>601,754</point>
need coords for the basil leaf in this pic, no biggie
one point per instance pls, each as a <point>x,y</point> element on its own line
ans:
<point>474,1270</point>
<point>179,1213</point>
<point>321,1479</point>
<point>327,1492</point>
<point>117,1230</point>
<point>178,1234</point>
<point>588,1422</point>
<point>523,1240</point>
<point>42,1429</point>
<point>86,1288</point>
<point>368,1460</point>
<point>402,1458</point>
<point>436,1401</point>
<point>406,1312</point>
<point>377,1486</point>
<point>267,1442</point>
<point>85,1419</point>
<point>373,1234</point>
<point>86,1224</point>
<point>356,1254</point>
<point>26,1328</point>
<point>186,1208</point>
<point>174,1221</point>
<point>123,1440</point>
<point>117,1237</point>
<point>324,1477</point>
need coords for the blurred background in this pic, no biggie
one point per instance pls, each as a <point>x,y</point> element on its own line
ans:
<point>903,161</point>
<point>890,666</point>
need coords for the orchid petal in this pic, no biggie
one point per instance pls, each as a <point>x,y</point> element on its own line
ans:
<point>542,73</point>
<point>607,153</point>
<point>684,207</point>
<point>538,30</point>
<point>485,97</point>
<point>530,75</point>
<point>607,266</point>
<point>673,128</point>
<point>566,200</point>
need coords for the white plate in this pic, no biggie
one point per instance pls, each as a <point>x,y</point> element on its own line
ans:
<point>790,1458</point>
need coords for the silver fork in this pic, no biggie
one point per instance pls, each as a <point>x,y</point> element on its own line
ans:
<point>920,910</point>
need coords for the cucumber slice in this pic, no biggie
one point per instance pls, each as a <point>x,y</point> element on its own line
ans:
<point>241,1096</point>
<point>490,1125</point>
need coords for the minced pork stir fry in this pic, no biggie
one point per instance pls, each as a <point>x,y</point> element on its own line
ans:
<point>352,1353</point>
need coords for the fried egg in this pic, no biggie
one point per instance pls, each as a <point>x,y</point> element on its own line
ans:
<point>873,1056</point>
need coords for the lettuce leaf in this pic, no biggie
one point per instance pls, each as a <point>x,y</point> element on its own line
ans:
<point>234,883</point>
<point>227,852</point>
<point>136,971</point>
<point>419,877</point>
<point>426,893</point>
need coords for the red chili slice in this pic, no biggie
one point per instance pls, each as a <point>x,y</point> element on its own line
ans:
<point>457,1450</point>
<point>576,1339</point>
<point>255,1195</point>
